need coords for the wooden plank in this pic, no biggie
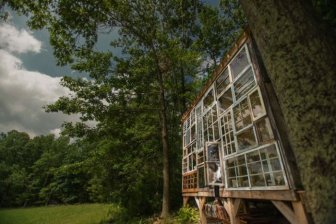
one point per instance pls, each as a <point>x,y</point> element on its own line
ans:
<point>286,211</point>
<point>279,195</point>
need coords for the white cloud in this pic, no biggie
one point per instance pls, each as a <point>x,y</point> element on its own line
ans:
<point>18,41</point>
<point>23,93</point>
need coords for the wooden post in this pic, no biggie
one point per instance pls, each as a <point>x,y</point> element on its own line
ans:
<point>232,208</point>
<point>200,203</point>
<point>300,214</point>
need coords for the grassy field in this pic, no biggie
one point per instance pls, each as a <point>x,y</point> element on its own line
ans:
<point>67,214</point>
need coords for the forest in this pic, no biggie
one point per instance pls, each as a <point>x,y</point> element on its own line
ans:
<point>132,154</point>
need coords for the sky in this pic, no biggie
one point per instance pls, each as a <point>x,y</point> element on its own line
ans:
<point>29,78</point>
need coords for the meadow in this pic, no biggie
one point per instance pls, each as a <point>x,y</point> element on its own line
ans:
<point>63,214</point>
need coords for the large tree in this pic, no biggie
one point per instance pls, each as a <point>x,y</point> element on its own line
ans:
<point>299,55</point>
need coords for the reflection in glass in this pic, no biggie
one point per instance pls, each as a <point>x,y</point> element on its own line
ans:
<point>222,82</point>
<point>208,100</point>
<point>246,139</point>
<point>201,176</point>
<point>257,107</point>
<point>200,157</point>
<point>225,101</point>
<point>268,152</point>
<point>244,84</point>
<point>264,130</point>
<point>253,156</point>
<point>213,152</point>
<point>242,170</point>
<point>214,173</point>
<point>243,181</point>
<point>216,130</point>
<point>257,180</point>
<point>239,63</point>
<point>275,164</point>
<point>241,113</point>
<point>254,168</point>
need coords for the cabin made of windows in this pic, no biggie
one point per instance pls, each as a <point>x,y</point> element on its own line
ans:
<point>232,140</point>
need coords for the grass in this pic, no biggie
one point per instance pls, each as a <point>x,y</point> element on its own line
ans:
<point>65,214</point>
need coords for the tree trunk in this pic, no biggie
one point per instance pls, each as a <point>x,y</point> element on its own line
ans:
<point>300,60</point>
<point>165,148</point>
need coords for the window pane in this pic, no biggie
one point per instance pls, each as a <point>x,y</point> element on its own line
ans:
<point>201,177</point>
<point>214,173</point>
<point>232,182</point>
<point>257,108</point>
<point>231,162</point>
<point>242,115</point>
<point>200,157</point>
<point>257,180</point>
<point>275,164</point>
<point>225,101</point>
<point>279,178</point>
<point>208,100</point>
<point>242,170</point>
<point>187,136</point>
<point>199,139</point>
<point>241,160</point>
<point>222,82</point>
<point>243,181</point>
<point>264,130</point>
<point>268,152</point>
<point>216,130</point>
<point>246,139</point>
<point>213,152</point>
<point>244,84</point>
<point>253,156</point>
<point>184,165</point>
<point>232,172</point>
<point>255,168</point>
<point>193,132</point>
<point>190,163</point>
<point>239,63</point>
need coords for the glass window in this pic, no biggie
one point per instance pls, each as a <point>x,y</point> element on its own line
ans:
<point>244,83</point>
<point>192,162</point>
<point>246,139</point>
<point>216,131</point>
<point>275,179</point>
<point>199,128</point>
<point>264,131</point>
<point>201,176</point>
<point>225,101</point>
<point>257,180</point>
<point>214,173</point>
<point>257,107</point>
<point>213,152</point>
<point>227,134</point>
<point>242,115</point>
<point>222,82</point>
<point>208,99</point>
<point>239,63</point>
<point>200,157</point>
<point>193,133</point>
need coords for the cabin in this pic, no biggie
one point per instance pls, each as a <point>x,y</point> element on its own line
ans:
<point>237,163</point>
